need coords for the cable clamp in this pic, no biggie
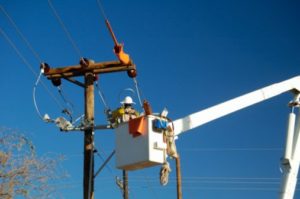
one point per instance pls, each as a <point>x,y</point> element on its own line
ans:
<point>63,124</point>
<point>295,102</point>
<point>88,124</point>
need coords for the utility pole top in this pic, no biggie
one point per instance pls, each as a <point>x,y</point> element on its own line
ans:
<point>87,69</point>
<point>87,66</point>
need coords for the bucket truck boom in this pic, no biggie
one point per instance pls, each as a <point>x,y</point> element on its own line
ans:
<point>291,159</point>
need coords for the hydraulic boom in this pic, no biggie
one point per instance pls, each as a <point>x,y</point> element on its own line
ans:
<point>207,115</point>
<point>291,159</point>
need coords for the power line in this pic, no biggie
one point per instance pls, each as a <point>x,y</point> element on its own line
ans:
<point>34,97</point>
<point>29,66</point>
<point>101,8</point>
<point>203,181</point>
<point>230,149</point>
<point>68,103</point>
<point>102,97</point>
<point>64,28</point>
<point>138,91</point>
<point>211,182</point>
<point>254,149</point>
<point>215,178</point>
<point>36,55</point>
<point>21,34</point>
<point>273,189</point>
<point>150,187</point>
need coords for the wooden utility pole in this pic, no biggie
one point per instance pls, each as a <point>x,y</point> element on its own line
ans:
<point>125,184</point>
<point>88,167</point>
<point>88,69</point>
<point>178,176</point>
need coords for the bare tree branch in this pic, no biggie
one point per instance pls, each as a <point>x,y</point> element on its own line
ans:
<point>24,174</point>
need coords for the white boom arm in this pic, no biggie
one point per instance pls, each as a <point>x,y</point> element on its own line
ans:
<point>207,115</point>
<point>291,159</point>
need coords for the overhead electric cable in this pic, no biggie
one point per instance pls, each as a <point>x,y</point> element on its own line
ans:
<point>214,178</point>
<point>231,188</point>
<point>101,94</point>
<point>150,187</point>
<point>101,8</point>
<point>230,182</point>
<point>21,34</point>
<point>63,97</point>
<point>272,189</point>
<point>229,149</point>
<point>68,103</point>
<point>34,96</point>
<point>138,91</point>
<point>73,43</point>
<point>64,28</point>
<point>78,119</point>
<point>29,66</point>
<point>34,52</point>
<point>262,182</point>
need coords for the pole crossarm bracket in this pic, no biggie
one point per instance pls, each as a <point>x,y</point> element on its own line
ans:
<point>74,81</point>
<point>81,69</point>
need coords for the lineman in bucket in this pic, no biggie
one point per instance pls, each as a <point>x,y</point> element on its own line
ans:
<point>124,113</point>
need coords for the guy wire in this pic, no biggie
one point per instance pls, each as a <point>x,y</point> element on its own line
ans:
<point>102,158</point>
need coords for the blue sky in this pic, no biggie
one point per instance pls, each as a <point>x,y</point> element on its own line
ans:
<point>189,55</point>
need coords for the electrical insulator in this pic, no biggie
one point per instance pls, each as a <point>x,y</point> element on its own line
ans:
<point>56,82</point>
<point>45,67</point>
<point>96,77</point>
<point>84,62</point>
<point>132,73</point>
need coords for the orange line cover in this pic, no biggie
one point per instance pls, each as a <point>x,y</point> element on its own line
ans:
<point>137,126</point>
